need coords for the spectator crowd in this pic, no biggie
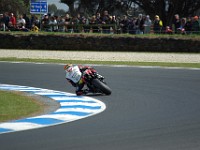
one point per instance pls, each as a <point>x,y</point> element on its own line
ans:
<point>99,23</point>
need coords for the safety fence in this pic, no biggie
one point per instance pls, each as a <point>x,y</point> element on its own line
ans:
<point>112,29</point>
<point>104,28</point>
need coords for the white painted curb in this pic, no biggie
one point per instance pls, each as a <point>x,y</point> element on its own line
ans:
<point>72,108</point>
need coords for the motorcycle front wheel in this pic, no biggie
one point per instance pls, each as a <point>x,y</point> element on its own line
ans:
<point>101,86</point>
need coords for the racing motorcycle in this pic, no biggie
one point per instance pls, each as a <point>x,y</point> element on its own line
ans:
<point>95,83</point>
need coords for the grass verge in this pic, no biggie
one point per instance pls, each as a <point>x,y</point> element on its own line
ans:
<point>15,105</point>
<point>161,64</point>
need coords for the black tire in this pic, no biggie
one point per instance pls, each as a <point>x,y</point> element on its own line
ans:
<point>102,86</point>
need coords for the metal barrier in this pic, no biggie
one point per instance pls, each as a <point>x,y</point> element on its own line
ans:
<point>105,28</point>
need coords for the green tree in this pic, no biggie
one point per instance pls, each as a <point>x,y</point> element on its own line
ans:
<point>26,2</point>
<point>166,9</point>
<point>52,9</point>
<point>70,4</point>
<point>15,6</point>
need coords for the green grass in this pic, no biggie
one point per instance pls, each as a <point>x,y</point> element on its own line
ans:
<point>161,64</point>
<point>14,105</point>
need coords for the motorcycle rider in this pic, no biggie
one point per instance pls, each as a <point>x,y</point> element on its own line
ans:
<point>74,76</point>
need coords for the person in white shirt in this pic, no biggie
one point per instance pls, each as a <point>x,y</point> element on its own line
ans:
<point>147,25</point>
<point>53,24</point>
<point>21,22</point>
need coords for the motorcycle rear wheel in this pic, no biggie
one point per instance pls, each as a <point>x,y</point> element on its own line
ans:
<point>102,86</point>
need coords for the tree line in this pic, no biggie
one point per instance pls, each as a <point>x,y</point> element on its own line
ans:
<point>166,9</point>
<point>15,6</point>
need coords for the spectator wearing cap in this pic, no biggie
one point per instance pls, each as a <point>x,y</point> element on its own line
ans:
<point>157,24</point>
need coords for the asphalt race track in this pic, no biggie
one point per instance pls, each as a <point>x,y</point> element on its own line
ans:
<point>149,109</point>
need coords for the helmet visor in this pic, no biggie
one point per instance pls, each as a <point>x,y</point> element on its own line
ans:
<point>69,69</point>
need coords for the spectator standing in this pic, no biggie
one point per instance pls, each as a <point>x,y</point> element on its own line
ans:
<point>34,20</point>
<point>2,23</point>
<point>82,23</point>
<point>98,18</point>
<point>2,26</point>
<point>28,23</point>
<point>21,22</point>
<point>45,23</point>
<point>113,22</point>
<point>181,29</point>
<point>139,23</point>
<point>85,23</point>
<point>6,18</point>
<point>13,19</point>
<point>157,25</point>
<point>37,22</point>
<point>61,24</point>
<point>75,23</point>
<point>195,25</point>
<point>93,24</point>
<point>176,23</point>
<point>68,26</point>
<point>132,26</point>
<point>99,21</point>
<point>124,24</point>
<point>78,17</point>
<point>188,25</point>
<point>53,24</point>
<point>118,29</point>
<point>147,25</point>
<point>1,18</point>
<point>105,22</point>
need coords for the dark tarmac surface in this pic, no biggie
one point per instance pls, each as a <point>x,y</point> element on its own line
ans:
<point>149,109</point>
